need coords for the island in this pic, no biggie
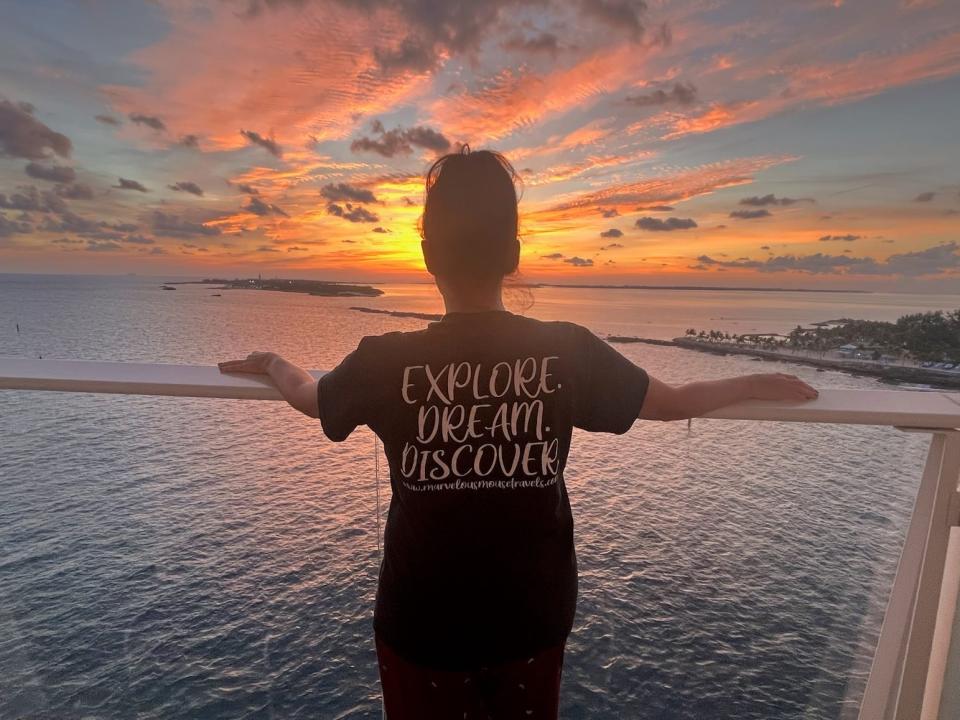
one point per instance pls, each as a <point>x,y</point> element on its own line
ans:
<point>399,313</point>
<point>326,288</point>
<point>922,348</point>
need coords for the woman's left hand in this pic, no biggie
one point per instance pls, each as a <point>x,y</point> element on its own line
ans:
<point>255,362</point>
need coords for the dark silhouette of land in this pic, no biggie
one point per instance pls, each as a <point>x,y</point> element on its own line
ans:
<point>701,287</point>
<point>919,348</point>
<point>326,288</point>
<point>399,313</point>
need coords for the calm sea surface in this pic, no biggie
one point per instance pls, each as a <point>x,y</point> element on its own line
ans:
<point>188,558</point>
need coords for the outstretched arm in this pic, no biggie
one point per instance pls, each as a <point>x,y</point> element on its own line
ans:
<point>668,402</point>
<point>298,387</point>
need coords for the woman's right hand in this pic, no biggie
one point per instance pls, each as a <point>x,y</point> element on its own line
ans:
<point>256,362</point>
<point>780,386</point>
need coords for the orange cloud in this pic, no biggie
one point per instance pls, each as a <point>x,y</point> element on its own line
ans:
<point>874,72</point>
<point>665,189</point>
<point>716,116</point>
<point>298,73</point>
<point>517,99</point>
<point>300,167</point>
<point>588,134</point>
<point>827,83</point>
<point>568,171</point>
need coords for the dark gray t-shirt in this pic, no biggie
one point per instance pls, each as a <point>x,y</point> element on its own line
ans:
<point>475,413</point>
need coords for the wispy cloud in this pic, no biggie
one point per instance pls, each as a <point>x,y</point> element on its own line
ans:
<point>944,258</point>
<point>322,72</point>
<point>662,188</point>
<point>51,173</point>
<point>150,121</point>
<point>22,135</point>
<point>665,225</point>
<point>353,213</point>
<point>169,225</point>
<point>839,238</point>
<point>127,184</point>
<point>751,214</point>
<point>187,187</point>
<point>259,207</point>
<point>517,98</point>
<point>267,143</point>
<point>679,94</point>
<point>344,191</point>
<point>761,201</point>
<point>400,141</point>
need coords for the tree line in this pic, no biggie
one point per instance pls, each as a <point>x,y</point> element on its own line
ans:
<point>933,336</point>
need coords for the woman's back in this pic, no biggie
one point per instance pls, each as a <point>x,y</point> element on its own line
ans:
<point>475,413</point>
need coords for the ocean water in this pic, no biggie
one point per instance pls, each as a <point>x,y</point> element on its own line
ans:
<point>189,558</point>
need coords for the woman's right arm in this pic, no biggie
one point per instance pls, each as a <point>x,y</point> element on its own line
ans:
<point>298,387</point>
<point>679,402</point>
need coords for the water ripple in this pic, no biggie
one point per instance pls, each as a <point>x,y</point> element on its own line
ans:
<point>191,558</point>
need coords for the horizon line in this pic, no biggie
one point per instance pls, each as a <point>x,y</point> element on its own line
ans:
<point>612,286</point>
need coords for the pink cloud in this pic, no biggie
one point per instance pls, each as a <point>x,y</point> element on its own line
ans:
<point>779,82</point>
<point>667,188</point>
<point>517,98</point>
<point>299,76</point>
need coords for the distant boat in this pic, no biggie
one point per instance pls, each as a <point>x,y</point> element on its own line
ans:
<point>168,287</point>
<point>215,295</point>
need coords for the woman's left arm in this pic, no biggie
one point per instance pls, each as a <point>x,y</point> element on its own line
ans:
<point>298,387</point>
<point>680,402</point>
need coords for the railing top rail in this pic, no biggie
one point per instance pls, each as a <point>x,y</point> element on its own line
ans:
<point>856,407</point>
<point>134,379</point>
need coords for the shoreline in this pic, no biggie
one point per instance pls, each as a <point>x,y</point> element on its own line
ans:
<point>398,313</point>
<point>321,288</point>
<point>710,288</point>
<point>896,374</point>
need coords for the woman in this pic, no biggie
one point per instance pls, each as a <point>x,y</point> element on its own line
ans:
<point>478,582</point>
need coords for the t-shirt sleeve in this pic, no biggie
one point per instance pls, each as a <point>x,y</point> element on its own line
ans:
<point>346,396</point>
<point>609,388</point>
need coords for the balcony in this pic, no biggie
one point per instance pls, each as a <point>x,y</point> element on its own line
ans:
<point>915,671</point>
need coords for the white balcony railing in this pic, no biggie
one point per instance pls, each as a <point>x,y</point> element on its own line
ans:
<point>916,666</point>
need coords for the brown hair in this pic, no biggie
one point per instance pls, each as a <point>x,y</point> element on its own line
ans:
<point>470,219</point>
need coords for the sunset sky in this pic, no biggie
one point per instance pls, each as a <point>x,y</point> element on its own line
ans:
<point>800,143</point>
